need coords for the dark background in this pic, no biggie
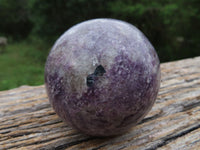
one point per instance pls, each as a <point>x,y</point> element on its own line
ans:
<point>172,26</point>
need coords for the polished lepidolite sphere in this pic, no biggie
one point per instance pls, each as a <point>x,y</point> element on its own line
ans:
<point>102,76</point>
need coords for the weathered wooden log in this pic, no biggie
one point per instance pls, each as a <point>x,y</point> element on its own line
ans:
<point>28,122</point>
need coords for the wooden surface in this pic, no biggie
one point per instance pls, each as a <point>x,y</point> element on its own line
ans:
<point>28,122</point>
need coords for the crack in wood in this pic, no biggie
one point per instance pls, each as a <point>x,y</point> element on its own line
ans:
<point>4,128</point>
<point>26,110</point>
<point>67,145</point>
<point>168,139</point>
<point>101,146</point>
<point>191,80</point>
<point>190,106</point>
<point>7,121</point>
<point>31,126</point>
<point>150,118</point>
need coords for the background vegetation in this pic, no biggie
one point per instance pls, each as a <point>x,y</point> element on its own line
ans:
<point>32,27</point>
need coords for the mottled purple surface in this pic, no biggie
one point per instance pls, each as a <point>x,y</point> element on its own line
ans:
<point>118,98</point>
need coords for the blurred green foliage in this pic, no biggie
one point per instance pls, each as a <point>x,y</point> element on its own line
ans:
<point>171,25</point>
<point>15,18</point>
<point>33,26</point>
<point>22,64</point>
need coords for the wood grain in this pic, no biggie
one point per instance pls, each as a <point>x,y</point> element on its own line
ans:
<point>28,122</point>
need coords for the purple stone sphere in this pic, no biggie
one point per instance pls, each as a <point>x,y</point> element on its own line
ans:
<point>102,76</point>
